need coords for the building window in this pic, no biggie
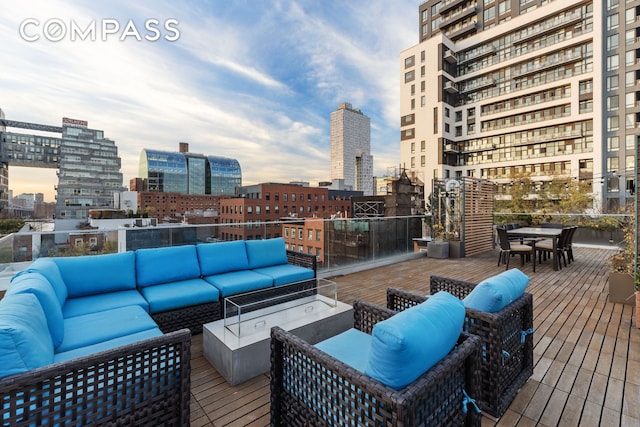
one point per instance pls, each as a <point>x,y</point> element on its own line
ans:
<point>613,143</point>
<point>612,103</point>
<point>630,142</point>
<point>612,42</point>
<point>310,234</point>
<point>612,21</point>
<point>286,232</point>
<point>409,62</point>
<point>612,82</point>
<point>423,161</point>
<point>612,62</point>
<point>613,184</point>
<point>612,123</point>
<point>613,164</point>
<point>409,76</point>
<point>318,235</point>
<point>413,147</point>
<point>422,146</point>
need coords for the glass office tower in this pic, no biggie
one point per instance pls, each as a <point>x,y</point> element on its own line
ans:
<point>187,173</point>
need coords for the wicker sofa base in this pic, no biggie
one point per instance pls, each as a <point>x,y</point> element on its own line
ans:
<point>192,317</point>
<point>507,346</point>
<point>144,383</point>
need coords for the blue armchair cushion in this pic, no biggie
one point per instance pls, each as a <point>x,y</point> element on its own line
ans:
<point>25,342</point>
<point>265,253</point>
<point>101,302</point>
<point>106,345</point>
<point>286,273</point>
<point>180,294</point>
<point>94,328</point>
<point>236,282</point>
<point>97,274</point>
<point>215,258</point>
<point>407,344</point>
<point>168,264</point>
<point>350,347</point>
<point>38,285</point>
<point>497,292</point>
<point>50,270</point>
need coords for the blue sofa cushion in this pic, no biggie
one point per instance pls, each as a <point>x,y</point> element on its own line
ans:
<point>106,345</point>
<point>265,253</point>
<point>180,294</point>
<point>497,292</point>
<point>216,258</point>
<point>164,265</point>
<point>407,344</point>
<point>50,270</point>
<point>38,285</point>
<point>92,303</point>
<point>97,274</point>
<point>25,342</point>
<point>237,282</point>
<point>93,328</point>
<point>286,273</point>
<point>350,347</point>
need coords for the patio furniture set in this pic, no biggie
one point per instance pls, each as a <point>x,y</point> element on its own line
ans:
<point>419,361</point>
<point>106,338</point>
<point>547,240</point>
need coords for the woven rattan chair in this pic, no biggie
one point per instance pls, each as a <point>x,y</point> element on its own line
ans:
<point>311,388</point>
<point>506,337</point>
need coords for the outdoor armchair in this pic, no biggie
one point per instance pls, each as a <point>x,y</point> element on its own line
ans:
<point>311,387</point>
<point>506,337</point>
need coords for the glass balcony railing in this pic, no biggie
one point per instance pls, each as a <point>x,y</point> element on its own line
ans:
<point>336,243</point>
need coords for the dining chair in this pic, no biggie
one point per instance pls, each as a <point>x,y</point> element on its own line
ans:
<point>509,248</point>
<point>545,247</point>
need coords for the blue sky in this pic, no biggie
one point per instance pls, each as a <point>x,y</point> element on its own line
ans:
<point>251,80</point>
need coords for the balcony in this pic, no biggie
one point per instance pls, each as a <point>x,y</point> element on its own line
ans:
<point>585,347</point>
<point>450,87</point>
<point>450,56</point>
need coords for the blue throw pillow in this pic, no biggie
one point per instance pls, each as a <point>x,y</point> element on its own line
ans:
<point>407,344</point>
<point>216,258</point>
<point>497,292</point>
<point>168,264</point>
<point>97,274</point>
<point>25,342</point>
<point>37,284</point>
<point>265,253</point>
<point>49,269</point>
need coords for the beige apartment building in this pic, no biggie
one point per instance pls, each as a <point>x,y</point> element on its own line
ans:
<point>502,89</point>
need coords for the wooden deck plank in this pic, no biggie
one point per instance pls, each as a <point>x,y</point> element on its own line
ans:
<point>586,354</point>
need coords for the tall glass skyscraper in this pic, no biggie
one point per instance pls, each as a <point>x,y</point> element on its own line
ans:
<point>187,173</point>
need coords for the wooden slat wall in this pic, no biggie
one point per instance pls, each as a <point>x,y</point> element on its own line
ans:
<point>478,216</point>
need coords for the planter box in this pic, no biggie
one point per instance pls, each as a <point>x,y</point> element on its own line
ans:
<point>438,249</point>
<point>456,249</point>
<point>621,288</point>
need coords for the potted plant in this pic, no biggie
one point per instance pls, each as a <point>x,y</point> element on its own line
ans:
<point>439,246</point>
<point>622,275</point>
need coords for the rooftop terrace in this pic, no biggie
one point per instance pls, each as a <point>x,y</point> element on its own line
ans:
<point>586,349</point>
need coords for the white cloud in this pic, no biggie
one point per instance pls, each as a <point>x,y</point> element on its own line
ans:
<point>253,82</point>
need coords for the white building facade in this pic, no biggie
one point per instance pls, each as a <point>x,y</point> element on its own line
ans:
<point>351,159</point>
<point>502,89</point>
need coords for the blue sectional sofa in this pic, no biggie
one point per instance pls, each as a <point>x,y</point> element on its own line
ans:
<point>60,313</point>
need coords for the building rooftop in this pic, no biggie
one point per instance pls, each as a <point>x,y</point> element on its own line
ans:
<point>586,348</point>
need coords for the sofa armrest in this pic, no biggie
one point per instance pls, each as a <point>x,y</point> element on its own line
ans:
<point>302,259</point>
<point>399,299</point>
<point>458,288</point>
<point>310,387</point>
<point>147,382</point>
<point>366,315</point>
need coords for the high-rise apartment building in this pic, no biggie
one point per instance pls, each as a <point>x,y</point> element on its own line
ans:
<point>504,89</point>
<point>88,164</point>
<point>351,159</point>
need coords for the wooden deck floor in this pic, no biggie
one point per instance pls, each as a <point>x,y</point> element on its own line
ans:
<point>587,350</point>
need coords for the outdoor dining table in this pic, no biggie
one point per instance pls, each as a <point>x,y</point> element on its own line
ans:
<point>539,232</point>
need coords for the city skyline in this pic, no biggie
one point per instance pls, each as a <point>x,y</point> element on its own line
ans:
<point>255,83</point>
